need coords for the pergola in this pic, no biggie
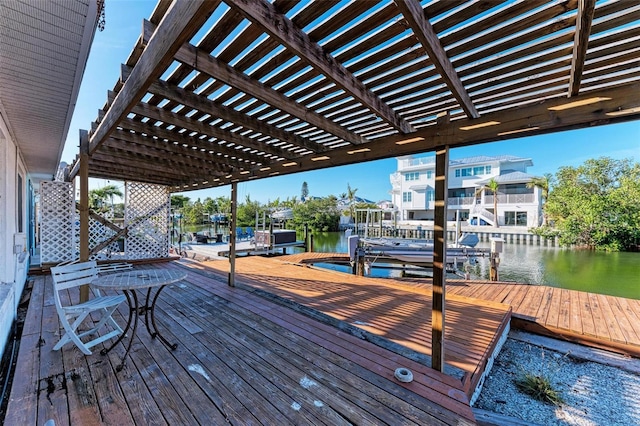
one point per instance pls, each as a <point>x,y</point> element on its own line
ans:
<point>220,92</point>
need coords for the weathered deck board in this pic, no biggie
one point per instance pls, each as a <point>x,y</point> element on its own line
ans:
<point>240,359</point>
<point>594,319</point>
<point>395,310</point>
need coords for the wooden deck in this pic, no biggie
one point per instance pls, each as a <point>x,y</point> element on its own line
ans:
<point>391,309</point>
<point>241,359</point>
<point>598,320</point>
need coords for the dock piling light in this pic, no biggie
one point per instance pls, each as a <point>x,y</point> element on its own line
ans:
<point>496,249</point>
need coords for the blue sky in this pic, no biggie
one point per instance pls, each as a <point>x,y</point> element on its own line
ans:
<point>548,152</point>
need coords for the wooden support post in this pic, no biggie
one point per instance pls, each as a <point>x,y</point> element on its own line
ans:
<point>232,234</point>
<point>493,271</point>
<point>84,206</point>
<point>360,263</point>
<point>439,260</point>
<point>310,243</point>
<point>306,237</point>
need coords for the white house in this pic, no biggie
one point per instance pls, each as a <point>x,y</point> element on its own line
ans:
<point>413,190</point>
<point>44,47</point>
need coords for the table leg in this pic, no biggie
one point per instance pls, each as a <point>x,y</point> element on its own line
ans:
<point>132,309</point>
<point>135,313</point>
<point>152,328</point>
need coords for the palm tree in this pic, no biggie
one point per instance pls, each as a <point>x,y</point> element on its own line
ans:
<point>544,183</point>
<point>97,197</point>
<point>492,185</point>
<point>351,195</point>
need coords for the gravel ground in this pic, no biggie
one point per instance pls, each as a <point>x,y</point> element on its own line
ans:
<point>593,393</point>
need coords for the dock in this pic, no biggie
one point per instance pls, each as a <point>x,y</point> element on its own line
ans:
<point>390,312</point>
<point>598,320</point>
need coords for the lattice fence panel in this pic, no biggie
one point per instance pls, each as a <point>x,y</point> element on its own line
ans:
<point>147,217</point>
<point>59,223</point>
<point>99,233</point>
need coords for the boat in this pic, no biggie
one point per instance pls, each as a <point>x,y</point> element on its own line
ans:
<point>415,252</point>
<point>465,240</point>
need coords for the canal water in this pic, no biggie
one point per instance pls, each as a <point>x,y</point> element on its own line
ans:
<point>616,274</point>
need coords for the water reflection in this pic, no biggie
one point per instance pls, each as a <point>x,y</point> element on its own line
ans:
<point>617,274</point>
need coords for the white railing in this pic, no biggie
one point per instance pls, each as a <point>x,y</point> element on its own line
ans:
<point>461,201</point>
<point>483,213</point>
<point>510,199</point>
<point>423,161</point>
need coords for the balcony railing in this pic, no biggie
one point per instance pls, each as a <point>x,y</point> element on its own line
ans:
<point>511,199</point>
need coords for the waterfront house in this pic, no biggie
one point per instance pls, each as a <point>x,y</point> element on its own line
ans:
<point>413,190</point>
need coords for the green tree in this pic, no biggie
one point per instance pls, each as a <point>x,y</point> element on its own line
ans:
<point>492,185</point>
<point>98,197</point>
<point>223,204</point>
<point>179,201</point>
<point>247,211</point>
<point>319,214</point>
<point>290,202</point>
<point>597,205</point>
<point>194,213</point>
<point>351,196</point>
<point>210,205</point>
<point>544,183</point>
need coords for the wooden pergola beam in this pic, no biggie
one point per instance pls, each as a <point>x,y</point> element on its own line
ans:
<point>281,28</point>
<point>198,144</point>
<point>146,145</point>
<point>203,62</point>
<point>198,126</point>
<point>597,107</point>
<point>424,32</point>
<point>586,9</point>
<point>205,105</point>
<point>182,20</point>
<point>109,155</point>
<point>546,116</point>
<point>180,160</point>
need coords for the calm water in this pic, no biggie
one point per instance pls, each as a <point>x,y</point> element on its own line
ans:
<point>617,274</point>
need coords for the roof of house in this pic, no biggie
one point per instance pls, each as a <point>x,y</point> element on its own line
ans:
<point>488,159</point>
<point>508,176</point>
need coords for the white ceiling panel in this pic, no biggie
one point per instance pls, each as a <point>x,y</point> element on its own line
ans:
<point>44,46</point>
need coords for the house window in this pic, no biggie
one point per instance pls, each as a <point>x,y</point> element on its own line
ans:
<point>431,195</point>
<point>487,170</point>
<point>515,218</point>
<point>467,171</point>
<point>412,176</point>
<point>429,174</point>
<point>406,197</point>
<point>478,171</point>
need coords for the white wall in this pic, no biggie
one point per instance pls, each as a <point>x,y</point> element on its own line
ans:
<point>10,290</point>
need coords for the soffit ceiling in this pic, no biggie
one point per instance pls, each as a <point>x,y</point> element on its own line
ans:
<point>44,46</point>
<point>217,92</point>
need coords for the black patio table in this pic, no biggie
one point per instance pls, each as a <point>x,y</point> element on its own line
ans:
<point>129,282</point>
